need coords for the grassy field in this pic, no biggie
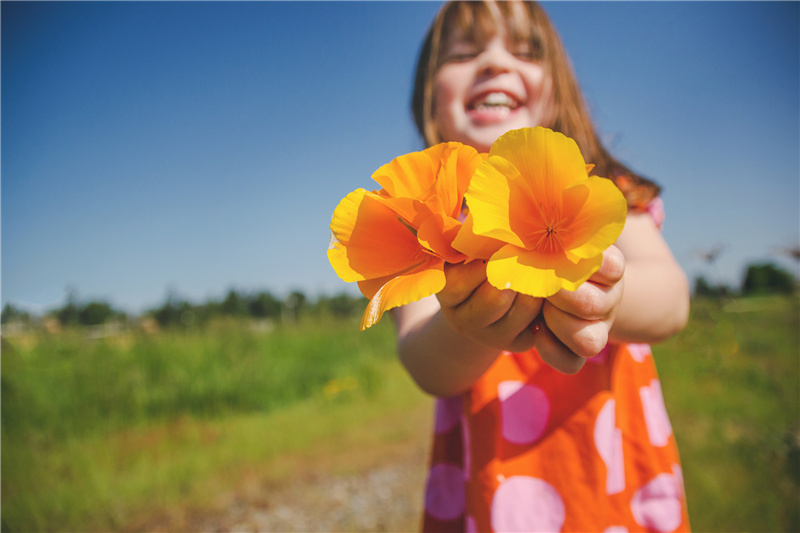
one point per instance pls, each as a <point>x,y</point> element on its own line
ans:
<point>97,434</point>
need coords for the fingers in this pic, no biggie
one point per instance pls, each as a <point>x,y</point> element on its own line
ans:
<point>479,311</point>
<point>461,281</point>
<point>585,338</point>
<point>599,297</point>
<point>555,353</point>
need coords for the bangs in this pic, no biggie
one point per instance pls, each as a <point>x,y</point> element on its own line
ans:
<point>478,22</point>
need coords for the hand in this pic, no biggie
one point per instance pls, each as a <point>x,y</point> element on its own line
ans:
<point>474,308</point>
<point>575,325</point>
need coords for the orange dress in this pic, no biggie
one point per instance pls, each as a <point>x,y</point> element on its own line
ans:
<point>530,449</point>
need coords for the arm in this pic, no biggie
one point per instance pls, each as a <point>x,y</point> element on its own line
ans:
<point>656,300</point>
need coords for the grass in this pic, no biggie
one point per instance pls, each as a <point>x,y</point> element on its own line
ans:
<point>101,435</point>
<point>96,434</point>
<point>732,386</point>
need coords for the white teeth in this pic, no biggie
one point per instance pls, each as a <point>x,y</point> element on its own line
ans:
<point>497,99</point>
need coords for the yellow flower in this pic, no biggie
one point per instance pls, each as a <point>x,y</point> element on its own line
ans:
<point>394,242</point>
<point>537,216</point>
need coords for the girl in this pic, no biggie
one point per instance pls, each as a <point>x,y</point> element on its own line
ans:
<point>550,415</point>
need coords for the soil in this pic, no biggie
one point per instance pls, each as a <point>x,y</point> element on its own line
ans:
<point>381,490</point>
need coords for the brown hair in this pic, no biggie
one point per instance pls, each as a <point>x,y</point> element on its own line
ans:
<point>524,21</point>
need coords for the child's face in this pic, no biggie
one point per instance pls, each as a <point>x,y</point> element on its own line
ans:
<point>482,91</point>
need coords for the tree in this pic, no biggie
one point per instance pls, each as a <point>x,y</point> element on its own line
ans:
<point>767,278</point>
<point>233,304</point>
<point>264,305</point>
<point>95,313</point>
<point>13,314</point>
<point>703,289</point>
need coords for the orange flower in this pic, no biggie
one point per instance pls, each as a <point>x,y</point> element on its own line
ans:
<point>394,242</point>
<point>538,216</point>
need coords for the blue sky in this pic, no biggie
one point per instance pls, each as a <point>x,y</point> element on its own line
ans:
<point>197,147</point>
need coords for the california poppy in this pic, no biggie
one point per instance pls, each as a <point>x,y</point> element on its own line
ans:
<point>537,216</point>
<point>394,242</point>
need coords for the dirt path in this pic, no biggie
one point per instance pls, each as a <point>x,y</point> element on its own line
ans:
<point>352,490</point>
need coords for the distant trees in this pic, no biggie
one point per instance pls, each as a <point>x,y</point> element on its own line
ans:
<point>767,278</point>
<point>261,305</point>
<point>759,278</point>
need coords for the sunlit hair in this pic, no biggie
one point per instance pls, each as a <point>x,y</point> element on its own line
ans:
<point>522,21</point>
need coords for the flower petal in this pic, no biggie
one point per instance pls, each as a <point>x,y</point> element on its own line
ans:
<point>402,290</point>
<point>472,245</point>
<point>494,186</point>
<point>459,162</point>
<point>549,160</point>
<point>369,240</point>
<point>536,274</point>
<point>600,219</point>
<point>408,176</point>
<point>436,233</point>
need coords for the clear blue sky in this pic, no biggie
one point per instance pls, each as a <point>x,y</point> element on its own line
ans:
<point>196,147</point>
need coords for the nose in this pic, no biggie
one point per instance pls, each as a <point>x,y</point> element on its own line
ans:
<point>495,59</point>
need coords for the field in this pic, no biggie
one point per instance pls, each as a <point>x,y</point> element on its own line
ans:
<point>143,432</point>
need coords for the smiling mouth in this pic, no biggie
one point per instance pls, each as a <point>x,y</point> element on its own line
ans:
<point>494,101</point>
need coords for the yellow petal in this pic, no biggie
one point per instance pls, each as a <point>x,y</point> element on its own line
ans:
<point>600,220</point>
<point>403,290</point>
<point>536,274</point>
<point>549,161</point>
<point>369,241</point>
<point>475,246</point>
<point>490,196</point>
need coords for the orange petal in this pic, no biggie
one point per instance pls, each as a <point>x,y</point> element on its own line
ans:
<point>369,241</point>
<point>537,274</point>
<point>600,219</point>
<point>459,162</point>
<point>402,290</point>
<point>475,246</point>
<point>437,233</point>
<point>549,161</point>
<point>410,175</point>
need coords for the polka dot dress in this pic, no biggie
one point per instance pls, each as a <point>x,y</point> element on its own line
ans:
<point>530,449</point>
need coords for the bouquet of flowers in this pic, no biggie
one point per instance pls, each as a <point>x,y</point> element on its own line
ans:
<point>529,208</point>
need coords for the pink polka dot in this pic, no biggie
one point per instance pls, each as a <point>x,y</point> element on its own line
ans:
<point>608,441</point>
<point>528,504</point>
<point>616,529</point>
<point>444,493</point>
<point>639,352</point>
<point>656,419</point>
<point>657,505</point>
<point>471,526</point>
<point>524,411</point>
<point>448,412</point>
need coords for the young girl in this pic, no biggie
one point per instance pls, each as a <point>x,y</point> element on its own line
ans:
<point>550,415</point>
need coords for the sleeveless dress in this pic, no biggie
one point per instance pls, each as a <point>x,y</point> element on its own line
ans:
<point>530,449</point>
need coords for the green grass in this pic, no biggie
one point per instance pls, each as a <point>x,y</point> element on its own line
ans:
<point>731,383</point>
<point>99,435</point>
<point>96,433</point>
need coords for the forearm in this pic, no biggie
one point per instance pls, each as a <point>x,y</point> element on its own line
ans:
<point>440,360</point>
<point>655,302</point>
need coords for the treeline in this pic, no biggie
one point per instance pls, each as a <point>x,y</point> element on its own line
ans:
<point>179,312</point>
<point>759,279</point>
<point>762,278</point>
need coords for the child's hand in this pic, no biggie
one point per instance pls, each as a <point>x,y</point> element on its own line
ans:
<point>492,317</point>
<point>576,324</point>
